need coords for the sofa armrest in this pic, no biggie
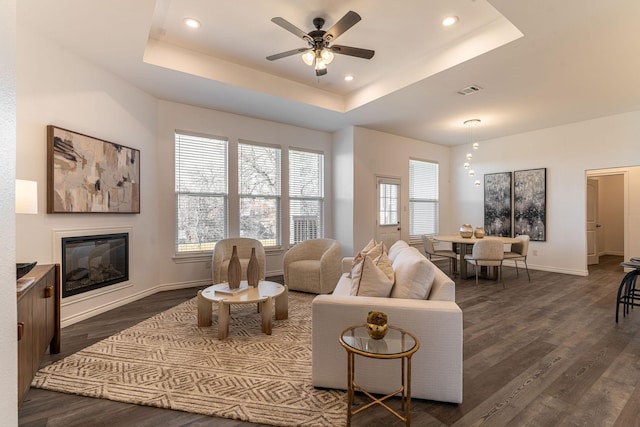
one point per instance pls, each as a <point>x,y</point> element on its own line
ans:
<point>346,264</point>
<point>437,325</point>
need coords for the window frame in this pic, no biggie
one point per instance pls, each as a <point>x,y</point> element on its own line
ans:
<point>320,233</point>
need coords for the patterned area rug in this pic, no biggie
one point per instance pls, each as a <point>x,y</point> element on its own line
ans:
<point>169,362</point>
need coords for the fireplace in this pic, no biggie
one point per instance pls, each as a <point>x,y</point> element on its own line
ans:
<point>93,262</point>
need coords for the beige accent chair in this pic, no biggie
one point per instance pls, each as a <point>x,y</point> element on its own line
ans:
<point>519,252</point>
<point>313,266</point>
<point>428,244</point>
<point>222,254</point>
<point>487,252</point>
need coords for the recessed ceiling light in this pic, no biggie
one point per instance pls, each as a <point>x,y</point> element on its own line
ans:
<point>192,22</point>
<point>449,20</point>
<point>348,78</point>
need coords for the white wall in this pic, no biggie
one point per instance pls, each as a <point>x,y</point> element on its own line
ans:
<point>8,317</point>
<point>174,116</point>
<point>54,86</point>
<point>343,164</point>
<point>567,152</point>
<point>381,154</point>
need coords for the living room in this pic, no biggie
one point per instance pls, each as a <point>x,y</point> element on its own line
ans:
<point>56,86</point>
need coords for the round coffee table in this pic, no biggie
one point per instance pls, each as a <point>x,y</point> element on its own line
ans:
<point>262,295</point>
<point>397,344</point>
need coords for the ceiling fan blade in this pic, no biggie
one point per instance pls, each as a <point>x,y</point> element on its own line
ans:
<point>287,53</point>
<point>321,72</point>
<point>347,21</point>
<point>353,51</point>
<point>291,28</point>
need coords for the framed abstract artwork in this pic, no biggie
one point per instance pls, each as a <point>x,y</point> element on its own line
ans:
<point>530,203</point>
<point>497,204</point>
<point>89,175</point>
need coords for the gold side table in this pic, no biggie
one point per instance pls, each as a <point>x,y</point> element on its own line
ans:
<point>397,344</point>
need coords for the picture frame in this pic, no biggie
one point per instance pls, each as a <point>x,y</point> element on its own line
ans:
<point>530,203</point>
<point>90,175</point>
<point>497,204</point>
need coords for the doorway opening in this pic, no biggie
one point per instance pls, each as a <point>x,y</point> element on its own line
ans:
<point>606,216</point>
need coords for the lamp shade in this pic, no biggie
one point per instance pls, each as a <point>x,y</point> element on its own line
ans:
<point>26,197</point>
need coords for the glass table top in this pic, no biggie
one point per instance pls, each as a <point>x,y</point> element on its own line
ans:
<point>396,341</point>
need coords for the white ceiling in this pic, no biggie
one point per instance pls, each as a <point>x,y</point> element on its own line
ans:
<point>540,63</point>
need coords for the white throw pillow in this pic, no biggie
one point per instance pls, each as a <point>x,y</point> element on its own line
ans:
<point>373,277</point>
<point>372,249</point>
<point>414,275</point>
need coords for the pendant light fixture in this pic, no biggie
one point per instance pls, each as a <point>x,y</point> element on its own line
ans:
<point>471,125</point>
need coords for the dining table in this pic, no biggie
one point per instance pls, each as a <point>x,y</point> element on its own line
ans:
<point>464,243</point>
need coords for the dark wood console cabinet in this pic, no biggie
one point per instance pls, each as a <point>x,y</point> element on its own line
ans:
<point>38,323</point>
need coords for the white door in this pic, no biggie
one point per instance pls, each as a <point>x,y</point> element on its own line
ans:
<point>388,215</point>
<point>592,221</point>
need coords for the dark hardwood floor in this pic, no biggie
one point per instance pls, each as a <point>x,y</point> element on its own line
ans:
<point>541,353</point>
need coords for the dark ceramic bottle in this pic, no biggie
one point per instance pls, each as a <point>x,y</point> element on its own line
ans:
<point>234,273</point>
<point>253,269</point>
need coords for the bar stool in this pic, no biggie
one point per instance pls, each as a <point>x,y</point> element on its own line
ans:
<point>628,295</point>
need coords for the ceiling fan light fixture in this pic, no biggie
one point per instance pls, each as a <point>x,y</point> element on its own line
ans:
<point>327,56</point>
<point>309,57</point>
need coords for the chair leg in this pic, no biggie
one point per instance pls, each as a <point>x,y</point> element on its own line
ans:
<point>475,270</point>
<point>527,267</point>
<point>517,272</point>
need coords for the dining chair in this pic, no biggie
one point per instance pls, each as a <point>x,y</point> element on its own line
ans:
<point>487,253</point>
<point>518,252</point>
<point>428,244</point>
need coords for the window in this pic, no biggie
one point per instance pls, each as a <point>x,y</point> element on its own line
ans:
<point>201,192</point>
<point>306,195</point>
<point>423,198</point>
<point>388,198</point>
<point>259,191</point>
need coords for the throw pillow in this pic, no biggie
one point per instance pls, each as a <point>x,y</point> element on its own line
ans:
<point>373,277</point>
<point>414,275</point>
<point>372,249</point>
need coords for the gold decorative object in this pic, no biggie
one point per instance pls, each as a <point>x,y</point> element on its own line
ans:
<point>479,233</point>
<point>466,231</point>
<point>234,273</point>
<point>253,269</point>
<point>377,324</point>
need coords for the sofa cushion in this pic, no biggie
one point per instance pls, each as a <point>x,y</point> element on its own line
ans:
<point>373,277</point>
<point>414,275</point>
<point>395,249</point>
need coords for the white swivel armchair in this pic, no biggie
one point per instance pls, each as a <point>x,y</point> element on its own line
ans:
<point>519,252</point>
<point>222,254</point>
<point>431,251</point>
<point>313,266</point>
<point>487,252</point>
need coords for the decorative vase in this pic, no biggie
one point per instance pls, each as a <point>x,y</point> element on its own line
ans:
<point>377,324</point>
<point>479,232</point>
<point>466,231</point>
<point>234,273</point>
<point>253,269</point>
<point>377,332</point>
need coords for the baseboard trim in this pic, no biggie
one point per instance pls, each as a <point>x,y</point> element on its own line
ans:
<point>94,311</point>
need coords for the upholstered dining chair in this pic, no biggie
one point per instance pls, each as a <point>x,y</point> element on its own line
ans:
<point>428,243</point>
<point>313,266</point>
<point>487,252</point>
<point>222,254</point>
<point>519,252</point>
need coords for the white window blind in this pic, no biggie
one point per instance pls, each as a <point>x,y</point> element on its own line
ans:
<point>201,190</point>
<point>423,198</point>
<point>306,195</point>
<point>259,177</point>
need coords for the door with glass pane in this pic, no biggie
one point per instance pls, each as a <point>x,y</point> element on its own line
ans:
<point>388,215</point>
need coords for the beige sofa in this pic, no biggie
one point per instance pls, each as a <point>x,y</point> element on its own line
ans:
<point>436,321</point>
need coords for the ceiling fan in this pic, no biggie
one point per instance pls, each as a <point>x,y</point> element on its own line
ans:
<point>319,53</point>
